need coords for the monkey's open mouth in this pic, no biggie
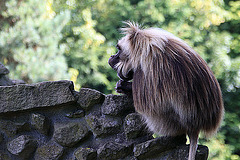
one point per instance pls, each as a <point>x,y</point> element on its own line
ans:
<point>115,63</point>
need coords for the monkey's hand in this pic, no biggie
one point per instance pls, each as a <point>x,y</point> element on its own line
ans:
<point>124,87</point>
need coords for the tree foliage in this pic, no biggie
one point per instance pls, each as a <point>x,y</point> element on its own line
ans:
<point>29,41</point>
<point>41,40</point>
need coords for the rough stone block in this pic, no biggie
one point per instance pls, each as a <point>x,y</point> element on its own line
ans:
<point>49,151</point>
<point>88,97</point>
<point>45,94</point>
<point>23,146</point>
<point>5,81</point>
<point>40,123</point>
<point>18,81</point>
<point>113,151</point>
<point>102,125</point>
<point>117,104</point>
<point>85,154</point>
<point>149,148</point>
<point>181,153</point>
<point>70,134</point>
<point>3,69</point>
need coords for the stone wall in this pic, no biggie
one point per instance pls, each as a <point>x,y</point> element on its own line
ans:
<point>51,121</point>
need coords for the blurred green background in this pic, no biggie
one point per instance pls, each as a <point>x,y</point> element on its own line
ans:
<point>73,39</point>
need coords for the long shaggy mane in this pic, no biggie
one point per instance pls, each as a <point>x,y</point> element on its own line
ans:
<point>172,85</point>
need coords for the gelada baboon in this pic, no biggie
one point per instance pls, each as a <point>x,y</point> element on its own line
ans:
<point>172,86</point>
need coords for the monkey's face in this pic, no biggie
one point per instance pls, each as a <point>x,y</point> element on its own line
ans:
<point>120,62</point>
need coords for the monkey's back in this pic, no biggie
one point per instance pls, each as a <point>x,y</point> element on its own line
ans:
<point>178,92</point>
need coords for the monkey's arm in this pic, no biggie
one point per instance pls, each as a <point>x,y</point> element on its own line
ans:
<point>124,87</point>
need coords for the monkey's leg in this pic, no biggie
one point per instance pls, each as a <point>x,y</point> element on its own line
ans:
<point>193,137</point>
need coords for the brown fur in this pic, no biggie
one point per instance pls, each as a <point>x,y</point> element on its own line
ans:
<point>173,87</point>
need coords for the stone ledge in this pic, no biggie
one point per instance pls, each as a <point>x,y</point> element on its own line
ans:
<point>44,94</point>
<point>59,123</point>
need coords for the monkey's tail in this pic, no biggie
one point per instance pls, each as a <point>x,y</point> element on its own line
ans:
<point>193,137</point>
